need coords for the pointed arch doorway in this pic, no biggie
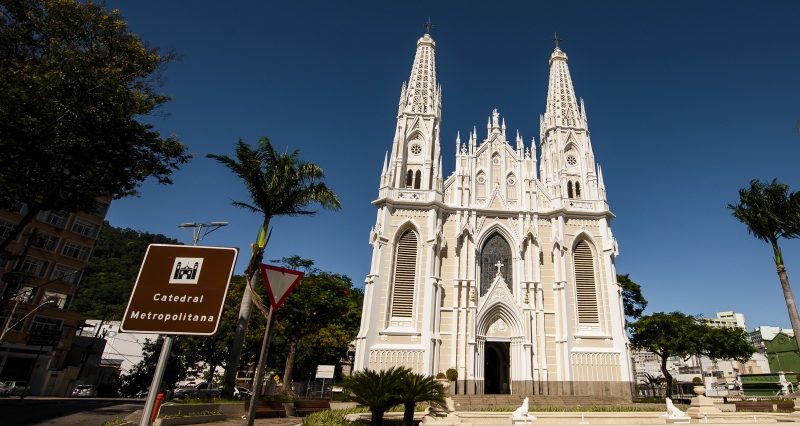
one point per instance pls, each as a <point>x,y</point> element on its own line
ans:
<point>497,368</point>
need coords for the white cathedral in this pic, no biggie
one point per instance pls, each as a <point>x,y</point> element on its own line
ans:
<point>503,271</point>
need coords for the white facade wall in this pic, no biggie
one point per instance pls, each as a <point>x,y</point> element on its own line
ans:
<point>546,317</point>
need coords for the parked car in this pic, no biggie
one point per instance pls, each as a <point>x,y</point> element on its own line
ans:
<point>200,390</point>
<point>12,387</point>
<point>84,391</point>
<point>242,393</point>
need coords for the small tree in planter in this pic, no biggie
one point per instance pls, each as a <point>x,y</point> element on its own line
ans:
<point>378,390</point>
<point>698,387</point>
<point>414,388</point>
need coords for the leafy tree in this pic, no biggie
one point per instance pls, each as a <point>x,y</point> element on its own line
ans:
<point>678,334</point>
<point>297,263</point>
<point>666,335</point>
<point>279,185</point>
<point>633,301</point>
<point>321,301</point>
<point>770,213</point>
<point>182,363</point>
<point>112,270</point>
<point>725,343</point>
<point>75,85</point>
<point>376,389</point>
<point>414,388</point>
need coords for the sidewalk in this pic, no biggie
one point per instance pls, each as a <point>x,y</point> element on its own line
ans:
<point>277,421</point>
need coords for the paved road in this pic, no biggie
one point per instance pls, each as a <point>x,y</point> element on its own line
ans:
<point>64,411</point>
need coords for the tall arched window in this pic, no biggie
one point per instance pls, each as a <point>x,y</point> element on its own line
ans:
<point>496,249</point>
<point>409,178</point>
<point>585,286</point>
<point>569,189</point>
<point>417,179</point>
<point>577,190</point>
<point>405,272</point>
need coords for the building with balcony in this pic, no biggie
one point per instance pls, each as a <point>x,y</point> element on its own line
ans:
<point>40,274</point>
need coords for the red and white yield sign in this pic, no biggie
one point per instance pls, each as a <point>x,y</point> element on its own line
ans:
<point>279,282</point>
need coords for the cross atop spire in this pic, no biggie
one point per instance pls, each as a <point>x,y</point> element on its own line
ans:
<point>428,26</point>
<point>499,265</point>
<point>556,40</point>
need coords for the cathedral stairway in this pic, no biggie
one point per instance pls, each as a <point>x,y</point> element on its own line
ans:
<point>483,402</point>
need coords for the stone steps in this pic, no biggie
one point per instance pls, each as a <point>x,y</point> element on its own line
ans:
<point>473,402</point>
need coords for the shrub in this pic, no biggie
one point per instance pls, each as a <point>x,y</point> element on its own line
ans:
<point>697,381</point>
<point>441,376</point>
<point>327,418</point>
<point>452,374</point>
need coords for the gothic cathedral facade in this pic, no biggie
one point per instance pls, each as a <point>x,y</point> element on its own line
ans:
<point>504,270</point>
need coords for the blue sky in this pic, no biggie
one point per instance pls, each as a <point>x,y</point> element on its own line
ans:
<point>687,101</point>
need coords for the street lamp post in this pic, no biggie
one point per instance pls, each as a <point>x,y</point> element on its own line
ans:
<point>199,231</point>
<point>8,327</point>
<point>198,228</point>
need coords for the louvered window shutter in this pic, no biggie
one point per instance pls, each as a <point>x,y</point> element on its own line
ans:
<point>405,269</point>
<point>585,287</point>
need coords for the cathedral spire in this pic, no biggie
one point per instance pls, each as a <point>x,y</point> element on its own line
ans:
<point>562,107</point>
<point>415,150</point>
<point>421,96</point>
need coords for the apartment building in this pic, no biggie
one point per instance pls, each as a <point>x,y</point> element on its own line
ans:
<point>38,285</point>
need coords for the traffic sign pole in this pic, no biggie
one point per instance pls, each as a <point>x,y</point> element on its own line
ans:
<point>262,360</point>
<point>154,385</point>
<point>279,282</point>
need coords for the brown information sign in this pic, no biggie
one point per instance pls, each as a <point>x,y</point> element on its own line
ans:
<point>180,290</point>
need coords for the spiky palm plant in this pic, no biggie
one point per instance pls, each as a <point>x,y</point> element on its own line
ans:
<point>378,390</point>
<point>416,388</point>
<point>771,212</point>
<point>279,184</point>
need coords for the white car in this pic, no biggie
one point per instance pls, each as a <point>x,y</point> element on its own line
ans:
<point>87,391</point>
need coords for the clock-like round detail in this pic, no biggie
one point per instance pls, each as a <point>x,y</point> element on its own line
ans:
<point>416,149</point>
<point>571,160</point>
<point>481,179</point>
<point>511,180</point>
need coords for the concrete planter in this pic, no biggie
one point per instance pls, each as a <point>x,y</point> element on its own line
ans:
<point>343,405</point>
<point>229,410</point>
<point>189,420</point>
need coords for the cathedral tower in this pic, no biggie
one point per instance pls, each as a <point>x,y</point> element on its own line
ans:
<point>504,274</point>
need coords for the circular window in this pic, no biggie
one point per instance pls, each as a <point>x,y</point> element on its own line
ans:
<point>496,160</point>
<point>416,149</point>
<point>511,180</point>
<point>571,160</point>
<point>481,179</point>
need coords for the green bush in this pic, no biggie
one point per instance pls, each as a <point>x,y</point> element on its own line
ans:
<point>697,381</point>
<point>441,375</point>
<point>452,374</point>
<point>327,418</point>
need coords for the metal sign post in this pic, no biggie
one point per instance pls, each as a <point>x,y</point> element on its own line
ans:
<point>279,282</point>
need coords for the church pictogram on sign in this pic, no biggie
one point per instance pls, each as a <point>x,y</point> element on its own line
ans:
<point>186,270</point>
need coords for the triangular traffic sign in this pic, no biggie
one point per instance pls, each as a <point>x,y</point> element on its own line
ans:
<point>279,282</point>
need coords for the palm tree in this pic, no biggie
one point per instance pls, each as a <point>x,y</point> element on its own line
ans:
<point>279,185</point>
<point>770,212</point>
<point>416,388</point>
<point>654,382</point>
<point>378,390</point>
